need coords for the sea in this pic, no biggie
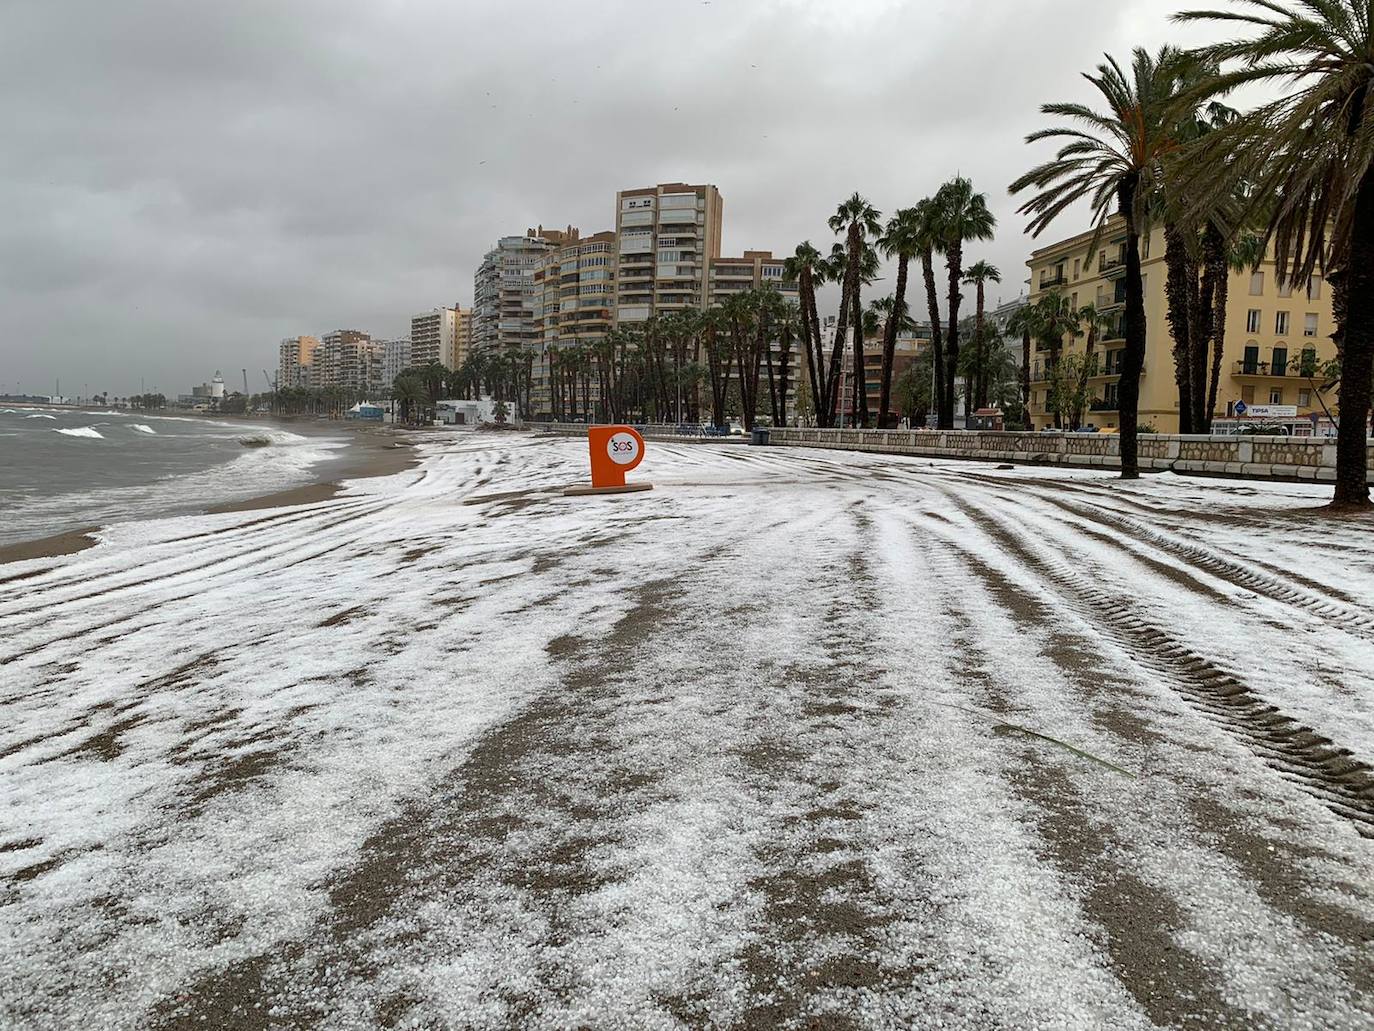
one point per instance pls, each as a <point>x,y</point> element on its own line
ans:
<point>63,469</point>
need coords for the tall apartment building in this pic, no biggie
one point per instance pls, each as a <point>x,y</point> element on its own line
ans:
<point>296,358</point>
<point>396,358</point>
<point>442,335</point>
<point>576,289</point>
<point>506,303</point>
<point>666,237</point>
<point>1273,332</point>
<point>351,359</point>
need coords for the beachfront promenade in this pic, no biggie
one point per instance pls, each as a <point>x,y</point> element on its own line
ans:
<point>799,738</point>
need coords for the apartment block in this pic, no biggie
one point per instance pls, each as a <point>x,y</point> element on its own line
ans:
<point>666,236</point>
<point>352,360</point>
<point>1275,335</point>
<point>507,304</point>
<point>396,358</point>
<point>296,359</point>
<point>576,289</point>
<point>442,335</point>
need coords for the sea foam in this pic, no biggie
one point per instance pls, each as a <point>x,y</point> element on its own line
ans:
<point>40,416</point>
<point>83,431</point>
<point>141,428</point>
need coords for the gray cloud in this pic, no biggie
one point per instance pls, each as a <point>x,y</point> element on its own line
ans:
<point>184,184</point>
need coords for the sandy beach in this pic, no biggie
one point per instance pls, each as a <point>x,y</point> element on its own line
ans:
<point>371,451</point>
<point>799,738</point>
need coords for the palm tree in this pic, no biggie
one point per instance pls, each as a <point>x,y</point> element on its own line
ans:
<point>1092,322</point>
<point>1055,318</point>
<point>806,267</point>
<point>858,220</point>
<point>1025,323</point>
<point>1115,161</point>
<point>980,274</point>
<point>409,390</point>
<point>925,215</point>
<point>1311,151</point>
<point>962,215</point>
<point>901,239</point>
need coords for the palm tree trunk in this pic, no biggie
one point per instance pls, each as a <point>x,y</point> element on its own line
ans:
<point>1133,358</point>
<point>784,360</point>
<point>979,389</point>
<point>890,342</point>
<point>1357,356</point>
<point>1025,376</point>
<point>1177,269</point>
<point>811,339</point>
<point>1215,279</point>
<point>936,337</point>
<point>954,262</point>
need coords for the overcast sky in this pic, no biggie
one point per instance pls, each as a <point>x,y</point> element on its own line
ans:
<point>183,183</point>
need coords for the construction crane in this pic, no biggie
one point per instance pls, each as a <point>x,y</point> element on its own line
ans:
<point>245,381</point>
<point>270,385</point>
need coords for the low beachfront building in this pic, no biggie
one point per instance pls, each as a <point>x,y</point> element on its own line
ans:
<point>1277,336</point>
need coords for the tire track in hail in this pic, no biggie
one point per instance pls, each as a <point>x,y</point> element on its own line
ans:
<point>1138,922</point>
<point>1311,761</point>
<point>1271,865</point>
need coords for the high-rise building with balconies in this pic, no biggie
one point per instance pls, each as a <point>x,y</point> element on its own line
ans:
<point>296,358</point>
<point>441,335</point>
<point>396,358</point>
<point>506,301</point>
<point>576,287</point>
<point>666,236</point>
<point>352,360</point>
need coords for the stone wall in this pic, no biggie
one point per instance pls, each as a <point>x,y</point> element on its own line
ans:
<point>1271,458</point>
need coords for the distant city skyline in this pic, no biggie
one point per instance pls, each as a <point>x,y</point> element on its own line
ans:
<point>191,184</point>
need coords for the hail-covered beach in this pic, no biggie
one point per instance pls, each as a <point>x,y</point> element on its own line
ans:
<point>796,739</point>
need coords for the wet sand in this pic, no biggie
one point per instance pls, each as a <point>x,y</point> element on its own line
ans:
<point>68,543</point>
<point>371,451</point>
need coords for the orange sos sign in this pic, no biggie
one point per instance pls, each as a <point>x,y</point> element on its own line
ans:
<point>615,450</point>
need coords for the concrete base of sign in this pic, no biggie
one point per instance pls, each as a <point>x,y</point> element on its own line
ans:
<point>579,490</point>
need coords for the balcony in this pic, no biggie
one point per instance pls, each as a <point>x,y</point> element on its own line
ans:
<point>1102,404</point>
<point>1054,278</point>
<point>1112,268</point>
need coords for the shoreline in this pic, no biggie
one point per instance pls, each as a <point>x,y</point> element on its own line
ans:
<point>371,451</point>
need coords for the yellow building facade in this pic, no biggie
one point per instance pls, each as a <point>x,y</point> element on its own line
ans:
<point>1274,334</point>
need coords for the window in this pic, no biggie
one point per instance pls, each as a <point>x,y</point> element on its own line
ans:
<point>1308,365</point>
<point>1252,321</point>
<point>1276,395</point>
<point>1279,366</point>
<point>1249,365</point>
<point>1281,323</point>
<point>1256,283</point>
<point>1286,288</point>
<point>1304,399</point>
<point>1144,248</point>
<point>1314,288</point>
<point>1309,324</point>
<point>1076,263</point>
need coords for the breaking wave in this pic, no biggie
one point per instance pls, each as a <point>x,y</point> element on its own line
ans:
<point>141,428</point>
<point>40,416</point>
<point>83,431</point>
